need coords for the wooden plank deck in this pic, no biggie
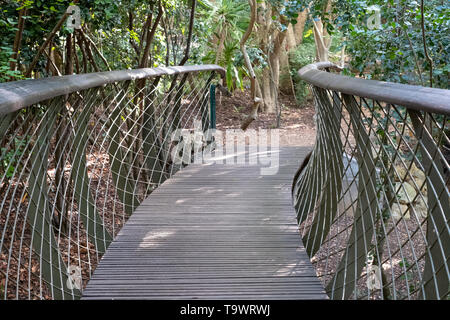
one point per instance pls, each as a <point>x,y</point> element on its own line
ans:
<point>212,232</point>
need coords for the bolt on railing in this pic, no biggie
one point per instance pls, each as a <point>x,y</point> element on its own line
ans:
<point>373,200</point>
<point>78,155</point>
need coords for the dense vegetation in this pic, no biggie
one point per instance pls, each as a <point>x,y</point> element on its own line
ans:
<point>261,44</point>
<point>411,44</point>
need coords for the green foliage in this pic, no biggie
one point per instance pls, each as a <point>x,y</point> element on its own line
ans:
<point>5,72</point>
<point>10,159</point>
<point>395,52</point>
<point>224,20</point>
<point>299,57</point>
<point>224,13</point>
<point>288,11</point>
<point>107,22</point>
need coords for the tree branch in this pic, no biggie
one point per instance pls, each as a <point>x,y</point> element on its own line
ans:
<point>189,39</point>
<point>18,39</point>
<point>88,51</point>
<point>425,49</point>
<point>248,65</point>
<point>130,27</point>
<point>97,51</point>
<point>150,35</point>
<point>47,41</point>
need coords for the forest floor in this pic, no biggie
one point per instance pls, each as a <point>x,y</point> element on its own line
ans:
<point>297,127</point>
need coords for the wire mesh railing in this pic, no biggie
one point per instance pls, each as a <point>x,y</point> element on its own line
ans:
<point>78,155</point>
<point>373,199</point>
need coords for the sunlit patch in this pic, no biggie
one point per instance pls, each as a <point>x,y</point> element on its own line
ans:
<point>152,238</point>
<point>234,194</point>
<point>287,269</point>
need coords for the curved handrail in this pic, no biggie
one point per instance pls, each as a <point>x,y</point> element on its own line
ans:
<point>73,170</point>
<point>415,97</point>
<point>373,197</point>
<point>20,94</point>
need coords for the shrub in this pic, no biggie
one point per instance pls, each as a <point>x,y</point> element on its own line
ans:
<point>299,57</point>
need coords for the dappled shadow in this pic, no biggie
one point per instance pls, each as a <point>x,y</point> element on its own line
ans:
<point>212,231</point>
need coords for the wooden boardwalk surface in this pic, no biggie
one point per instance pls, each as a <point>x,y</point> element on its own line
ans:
<point>212,232</point>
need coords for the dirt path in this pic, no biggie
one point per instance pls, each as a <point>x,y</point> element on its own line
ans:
<point>297,127</point>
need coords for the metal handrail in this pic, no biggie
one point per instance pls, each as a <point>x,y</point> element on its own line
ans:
<point>78,154</point>
<point>414,97</point>
<point>372,198</point>
<point>20,94</point>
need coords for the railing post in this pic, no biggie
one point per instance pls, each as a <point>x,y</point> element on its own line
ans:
<point>212,105</point>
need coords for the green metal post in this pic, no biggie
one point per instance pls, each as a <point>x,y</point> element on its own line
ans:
<point>212,94</point>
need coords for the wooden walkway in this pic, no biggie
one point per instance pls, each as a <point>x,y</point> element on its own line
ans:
<point>212,232</point>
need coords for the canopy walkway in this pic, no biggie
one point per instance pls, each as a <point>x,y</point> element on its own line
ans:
<point>217,231</point>
<point>117,185</point>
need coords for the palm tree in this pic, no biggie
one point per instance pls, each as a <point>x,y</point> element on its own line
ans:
<point>228,20</point>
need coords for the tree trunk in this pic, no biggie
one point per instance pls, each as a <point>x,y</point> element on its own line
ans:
<point>300,26</point>
<point>248,64</point>
<point>321,36</point>
<point>286,82</point>
<point>149,38</point>
<point>294,37</point>
<point>221,46</point>
<point>291,40</point>
<point>69,51</point>
<point>18,39</point>
<point>322,41</point>
<point>267,91</point>
<point>277,44</point>
<point>264,34</point>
